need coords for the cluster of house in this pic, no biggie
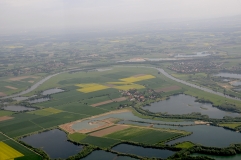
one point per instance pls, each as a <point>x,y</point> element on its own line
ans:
<point>195,66</point>
<point>135,95</point>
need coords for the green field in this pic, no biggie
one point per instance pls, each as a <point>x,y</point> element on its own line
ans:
<point>28,154</point>
<point>185,145</point>
<point>5,113</point>
<point>99,141</point>
<point>76,137</point>
<point>230,125</point>
<point>142,135</point>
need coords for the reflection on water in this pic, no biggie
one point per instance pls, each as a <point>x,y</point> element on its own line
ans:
<point>184,104</point>
<point>54,143</point>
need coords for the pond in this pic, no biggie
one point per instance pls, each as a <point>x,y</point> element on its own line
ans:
<point>236,83</point>
<point>235,157</point>
<point>184,104</point>
<point>54,143</point>
<point>209,136</point>
<point>143,152</point>
<point>18,108</point>
<point>52,91</point>
<point>103,155</point>
<point>228,75</point>
<point>39,100</point>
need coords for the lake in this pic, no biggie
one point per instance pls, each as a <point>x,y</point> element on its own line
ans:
<point>54,143</point>
<point>236,157</point>
<point>52,91</point>
<point>236,83</point>
<point>229,75</point>
<point>18,108</point>
<point>209,136</point>
<point>185,104</point>
<point>39,100</point>
<point>124,116</point>
<point>198,54</point>
<point>103,155</point>
<point>141,151</point>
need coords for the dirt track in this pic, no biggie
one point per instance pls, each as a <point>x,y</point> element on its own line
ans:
<point>21,77</point>
<point>168,89</point>
<point>10,87</point>
<point>109,101</point>
<point>107,131</point>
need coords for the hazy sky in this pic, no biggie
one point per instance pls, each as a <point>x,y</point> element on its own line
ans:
<point>24,15</point>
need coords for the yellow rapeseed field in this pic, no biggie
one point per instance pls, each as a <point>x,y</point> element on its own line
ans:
<point>92,88</point>
<point>125,84</point>
<point>127,87</point>
<point>136,79</point>
<point>7,152</point>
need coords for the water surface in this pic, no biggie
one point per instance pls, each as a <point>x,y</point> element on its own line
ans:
<point>228,75</point>
<point>18,108</point>
<point>209,136</point>
<point>184,104</point>
<point>199,54</point>
<point>124,116</point>
<point>143,152</point>
<point>54,143</point>
<point>236,157</point>
<point>103,155</point>
<point>52,91</point>
<point>39,100</point>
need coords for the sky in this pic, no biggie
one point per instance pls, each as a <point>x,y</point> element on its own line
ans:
<point>26,15</point>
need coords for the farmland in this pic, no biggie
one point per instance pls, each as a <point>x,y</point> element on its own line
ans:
<point>11,149</point>
<point>100,142</point>
<point>185,145</point>
<point>142,135</point>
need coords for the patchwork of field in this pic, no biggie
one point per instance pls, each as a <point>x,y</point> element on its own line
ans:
<point>10,149</point>
<point>126,84</point>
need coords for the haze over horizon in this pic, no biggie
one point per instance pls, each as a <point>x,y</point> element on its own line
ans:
<point>28,15</point>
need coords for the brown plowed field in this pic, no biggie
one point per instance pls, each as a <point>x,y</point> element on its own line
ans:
<point>107,131</point>
<point>10,87</point>
<point>4,118</point>
<point>21,77</point>
<point>109,101</point>
<point>168,89</point>
<point>2,94</point>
